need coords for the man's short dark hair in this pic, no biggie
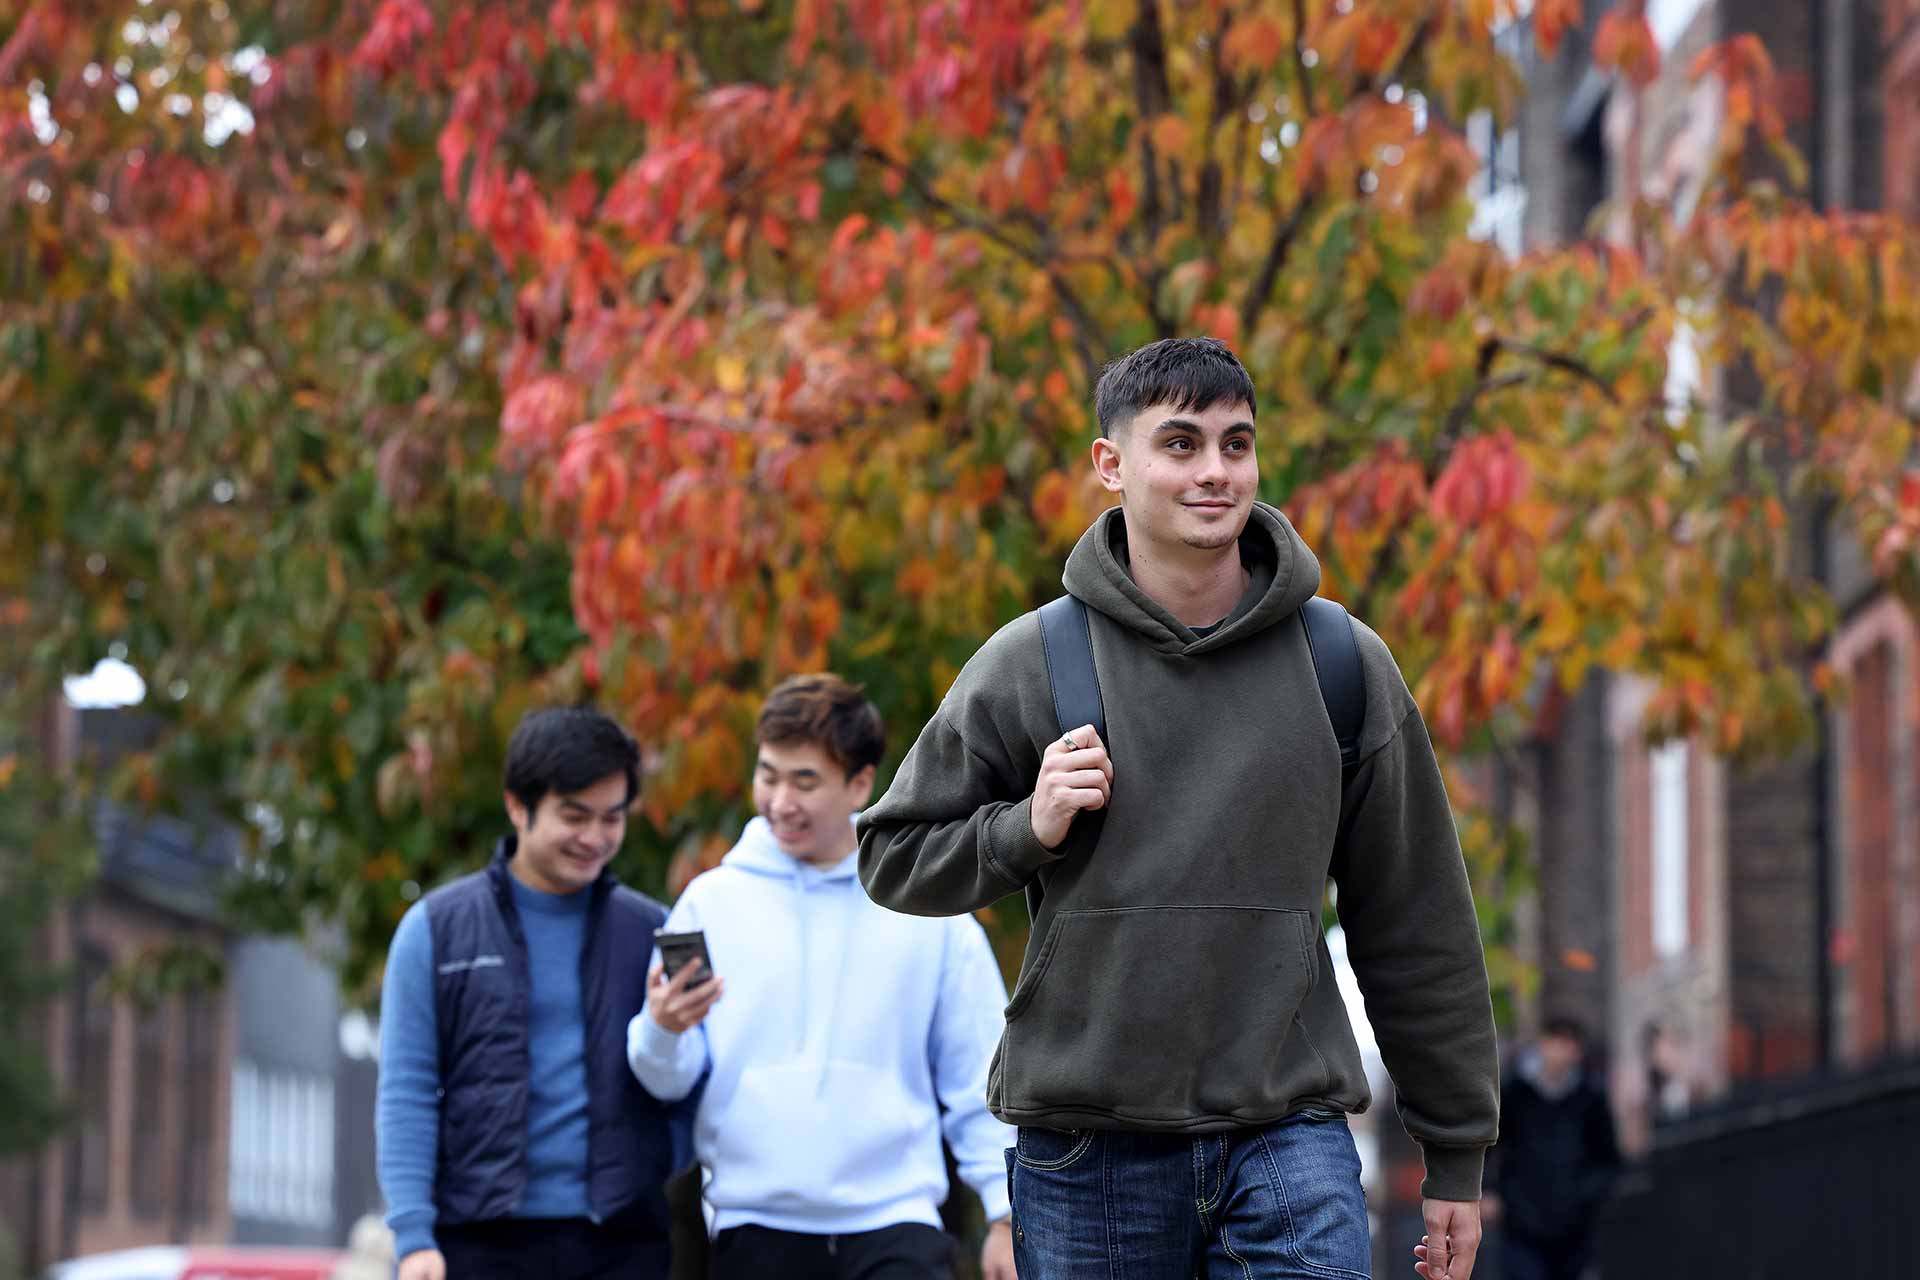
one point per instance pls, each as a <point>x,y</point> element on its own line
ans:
<point>828,712</point>
<point>1562,1027</point>
<point>562,750</point>
<point>1191,374</point>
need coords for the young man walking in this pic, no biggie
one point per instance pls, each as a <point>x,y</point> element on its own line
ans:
<point>513,1142</point>
<point>1176,1054</point>
<point>842,1040</point>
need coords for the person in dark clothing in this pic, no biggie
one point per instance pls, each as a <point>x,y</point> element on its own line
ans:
<point>513,1141</point>
<point>1556,1159</point>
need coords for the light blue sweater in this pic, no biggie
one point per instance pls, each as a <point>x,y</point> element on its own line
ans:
<point>407,1113</point>
<point>844,1031</point>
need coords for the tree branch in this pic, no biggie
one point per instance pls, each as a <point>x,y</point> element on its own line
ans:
<point>1407,55</point>
<point>1091,337</point>
<point>1484,384</point>
<point>1283,238</point>
<point>1151,96</point>
<point>1564,363</point>
<point>1299,62</point>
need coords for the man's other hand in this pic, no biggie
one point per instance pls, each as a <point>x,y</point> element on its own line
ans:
<point>674,1003</point>
<point>996,1256</point>
<point>1075,774</point>
<point>1447,1251</point>
<point>423,1264</point>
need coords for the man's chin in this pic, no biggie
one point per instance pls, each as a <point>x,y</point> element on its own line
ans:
<point>582,874</point>
<point>1212,539</point>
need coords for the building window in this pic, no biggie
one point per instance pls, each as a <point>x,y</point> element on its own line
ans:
<point>155,1091</point>
<point>1869,939</point>
<point>1671,846</point>
<point>281,1158</point>
<point>1901,164</point>
<point>95,1071</point>
<point>202,1070</point>
<point>1499,195</point>
<point>1669,20</point>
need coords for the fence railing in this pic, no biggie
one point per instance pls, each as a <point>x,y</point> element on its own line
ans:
<point>1820,1180</point>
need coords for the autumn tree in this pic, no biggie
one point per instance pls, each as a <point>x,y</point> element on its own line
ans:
<point>531,350</point>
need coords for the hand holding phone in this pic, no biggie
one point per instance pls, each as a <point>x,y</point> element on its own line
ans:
<point>682,988</point>
<point>677,950</point>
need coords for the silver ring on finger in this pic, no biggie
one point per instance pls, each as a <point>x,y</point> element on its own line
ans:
<point>1067,739</point>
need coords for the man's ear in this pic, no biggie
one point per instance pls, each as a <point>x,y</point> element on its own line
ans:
<point>516,812</point>
<point>1106,463</point>
<point>862,784</point>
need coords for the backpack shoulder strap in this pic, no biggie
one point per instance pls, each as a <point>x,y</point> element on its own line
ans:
<point>1336,663</point>
<point>1068,645</point>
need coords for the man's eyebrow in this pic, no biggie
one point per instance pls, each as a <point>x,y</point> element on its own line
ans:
<point>581,806</point>
<point>797,773</point>
<point>1171,425</point>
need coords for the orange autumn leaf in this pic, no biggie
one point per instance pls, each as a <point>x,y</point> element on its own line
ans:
<point>1623,42</point>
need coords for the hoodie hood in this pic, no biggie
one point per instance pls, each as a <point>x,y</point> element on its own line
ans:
<point>1285,576</point>
<point>757,851</point>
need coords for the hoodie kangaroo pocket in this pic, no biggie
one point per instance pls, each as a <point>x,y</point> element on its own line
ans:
<point>804,1138</point>
<point>1174,1016</point>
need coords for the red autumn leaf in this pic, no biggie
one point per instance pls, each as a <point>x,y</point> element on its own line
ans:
<point>1438,295</point>
<point>1623,42</point>
<point>1379,36</point>
<point>1552,19</point>
<point>538,415</point>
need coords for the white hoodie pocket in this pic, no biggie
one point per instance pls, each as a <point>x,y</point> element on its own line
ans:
<point>800,1138</point>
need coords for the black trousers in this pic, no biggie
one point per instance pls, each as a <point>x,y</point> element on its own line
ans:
<point>549,1249</point>
<point>1563,1259</point>
<point>910,1251</point>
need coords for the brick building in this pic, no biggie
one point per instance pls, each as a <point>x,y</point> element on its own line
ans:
<point>1745,941</point>
<point>234,1112</point>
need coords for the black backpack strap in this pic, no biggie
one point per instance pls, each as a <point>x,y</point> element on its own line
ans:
<point>1068,646</point>
<point>1336,662</point>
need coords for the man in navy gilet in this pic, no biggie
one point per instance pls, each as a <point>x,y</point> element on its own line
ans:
<point>513,1140</point>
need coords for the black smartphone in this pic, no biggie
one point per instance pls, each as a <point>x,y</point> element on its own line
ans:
<point>678,949</point>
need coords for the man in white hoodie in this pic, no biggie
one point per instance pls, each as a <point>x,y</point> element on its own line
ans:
<point>842,1039</point>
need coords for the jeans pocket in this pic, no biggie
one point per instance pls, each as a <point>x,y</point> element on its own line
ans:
<point>1049,1150</point>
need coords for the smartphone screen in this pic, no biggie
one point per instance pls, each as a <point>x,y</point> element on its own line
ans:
<point>677,950</point>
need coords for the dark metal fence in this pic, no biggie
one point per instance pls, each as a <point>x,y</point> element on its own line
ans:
<point>1821,1179</point>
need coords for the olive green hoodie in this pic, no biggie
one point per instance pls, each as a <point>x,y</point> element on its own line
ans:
<point>1177,978</point>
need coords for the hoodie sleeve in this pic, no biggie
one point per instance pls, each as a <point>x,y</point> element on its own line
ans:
<point>954,832</point>
<point>966,1029</point>
<point>1413,937</point>
<point>407,1097</point>
<point>668,1065</point>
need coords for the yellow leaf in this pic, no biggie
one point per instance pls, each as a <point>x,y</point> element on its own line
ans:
<point>876,644</point>
<point>731,373</point>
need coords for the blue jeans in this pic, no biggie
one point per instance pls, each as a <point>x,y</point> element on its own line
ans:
<point>1279,1203</point>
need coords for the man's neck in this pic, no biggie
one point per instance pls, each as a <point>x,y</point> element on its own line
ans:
<point>1199,588</point>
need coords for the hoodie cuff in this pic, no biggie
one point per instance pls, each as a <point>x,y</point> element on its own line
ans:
<point>994,1201</point>
<point>1013,851</point>
<point>412,1232</point>
<point>648,1039</point>
<point>1453,1173</point>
